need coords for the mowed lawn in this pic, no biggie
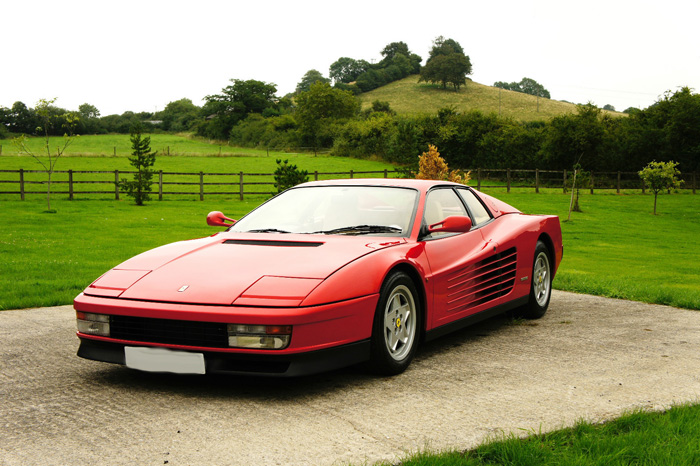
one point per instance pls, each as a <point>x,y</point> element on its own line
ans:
<point>616,247</point>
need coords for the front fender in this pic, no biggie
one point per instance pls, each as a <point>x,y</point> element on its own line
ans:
<point>364,276</point>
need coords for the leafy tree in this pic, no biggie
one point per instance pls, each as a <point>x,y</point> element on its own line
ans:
<point>179,115</point>
<point>442,46</point>
<point>142,159</point>
<point>447,64</point>
<point>659,176</point>
<point>320,106</point>
<point>235,102</point>
<point>287,176</point>
<point>434,167</point>
<point>608,107</point>
<point>89,119</point>
<point>346,70</point>
<point>526,86</point>
<point>23,120</point>
<point>311,77</point>
<point>49,119</point>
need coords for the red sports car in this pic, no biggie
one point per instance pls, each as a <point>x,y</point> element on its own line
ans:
<point>326,274</point>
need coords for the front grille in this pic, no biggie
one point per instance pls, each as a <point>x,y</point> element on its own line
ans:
<point>174,332</point>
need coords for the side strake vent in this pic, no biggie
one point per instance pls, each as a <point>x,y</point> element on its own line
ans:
<point>482,281</point>
<point>288,244</point>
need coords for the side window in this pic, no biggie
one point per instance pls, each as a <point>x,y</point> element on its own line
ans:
<point>475,206</point>
<point>440,204</point>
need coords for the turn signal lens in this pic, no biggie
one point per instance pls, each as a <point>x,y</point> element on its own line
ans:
<point>259,336</point>
<point>93,324</point>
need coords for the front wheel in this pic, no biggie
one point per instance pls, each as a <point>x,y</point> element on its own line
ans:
<point>396,325</point>
<point>541,288</point>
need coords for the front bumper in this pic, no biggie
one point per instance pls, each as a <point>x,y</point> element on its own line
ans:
<point>324,337</point>
<point>275,365</point>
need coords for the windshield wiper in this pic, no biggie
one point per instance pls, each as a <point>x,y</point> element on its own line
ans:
<point>267,230</point>
<point>360,230</point>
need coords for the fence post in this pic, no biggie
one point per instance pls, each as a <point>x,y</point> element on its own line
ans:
<point>351,174</point>
<point>643,186</point>
<point>386,174</point>
<point>21,183</point>
<point>508,179</point>
<point>160,185</point>
<point>478,179</point>
<point>240,184</point>
<point>537,180</point>
<point>592,182</point>
<point>316,175</point>
<point>201,186</point>
<point>70,185</point>
<point>564,188</point>
<point>618,182</point>
<point>116,181</point>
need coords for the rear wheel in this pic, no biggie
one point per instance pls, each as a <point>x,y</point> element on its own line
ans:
<point>541,288</point>
<point>396,326</point>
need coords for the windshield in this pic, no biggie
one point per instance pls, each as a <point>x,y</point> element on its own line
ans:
<point>349,210</point>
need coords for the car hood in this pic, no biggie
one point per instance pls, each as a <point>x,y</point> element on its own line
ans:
<point>241,269</point>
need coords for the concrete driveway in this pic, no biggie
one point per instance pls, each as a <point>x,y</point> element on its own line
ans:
<point>589,357</point>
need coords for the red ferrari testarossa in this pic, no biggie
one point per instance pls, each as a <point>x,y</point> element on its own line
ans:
<point>326,274</point>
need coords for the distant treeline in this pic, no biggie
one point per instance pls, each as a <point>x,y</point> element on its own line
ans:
<point>248,113</point>
<point>667,130</point>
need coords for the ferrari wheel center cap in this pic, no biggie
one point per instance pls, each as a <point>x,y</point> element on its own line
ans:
<point>398,322</point>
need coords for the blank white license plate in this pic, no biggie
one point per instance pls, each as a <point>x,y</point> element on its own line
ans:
<point>164,360</point>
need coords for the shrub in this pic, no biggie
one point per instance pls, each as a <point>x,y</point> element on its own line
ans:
<point>287,176</point>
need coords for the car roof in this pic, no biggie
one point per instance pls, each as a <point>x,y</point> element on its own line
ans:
<point>422,185</point>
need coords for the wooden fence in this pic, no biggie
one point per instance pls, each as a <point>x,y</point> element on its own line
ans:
<point>82,183</point>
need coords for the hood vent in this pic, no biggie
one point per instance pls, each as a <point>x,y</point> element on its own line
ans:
<point>284,244</point>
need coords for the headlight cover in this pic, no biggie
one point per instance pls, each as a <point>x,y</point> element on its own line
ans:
<point>93,324</point>
<point>274,337</point>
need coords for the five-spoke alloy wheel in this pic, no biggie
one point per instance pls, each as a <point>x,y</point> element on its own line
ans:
<point>396,325</point>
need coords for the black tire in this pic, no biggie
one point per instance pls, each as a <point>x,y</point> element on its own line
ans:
<point>397,324</point>
<point>541,287</point>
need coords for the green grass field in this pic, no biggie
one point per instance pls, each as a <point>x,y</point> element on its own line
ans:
<point>407,96</point>
<point>227,167</point>
<point>616,247</point>
<point>106,145</point>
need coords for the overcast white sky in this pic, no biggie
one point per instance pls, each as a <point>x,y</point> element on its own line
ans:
<point>140,55</point>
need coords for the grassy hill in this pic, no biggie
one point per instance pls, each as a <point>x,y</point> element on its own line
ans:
<point>407,96</point>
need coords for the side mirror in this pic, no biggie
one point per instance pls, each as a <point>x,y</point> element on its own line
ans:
<point>452,224</point>
<point>217,219</point>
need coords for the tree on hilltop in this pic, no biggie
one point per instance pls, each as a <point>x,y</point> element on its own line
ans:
<point>311,77</point>
<point>526,86</point>
<point>447,64</point>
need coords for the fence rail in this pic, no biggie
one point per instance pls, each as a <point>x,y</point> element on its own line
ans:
<point>240,184</point>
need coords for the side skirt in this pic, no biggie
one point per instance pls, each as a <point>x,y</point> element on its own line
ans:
<point>475,318</point>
